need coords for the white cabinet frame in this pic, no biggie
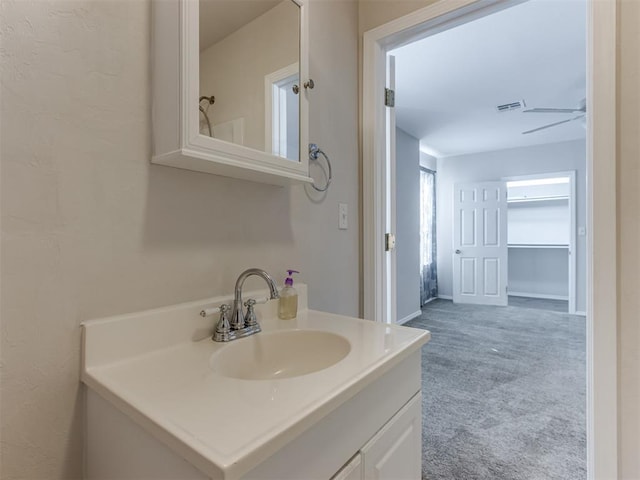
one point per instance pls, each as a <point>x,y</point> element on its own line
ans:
<point>177,141</point>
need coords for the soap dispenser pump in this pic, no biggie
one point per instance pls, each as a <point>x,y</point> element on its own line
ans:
<point>288,306</point>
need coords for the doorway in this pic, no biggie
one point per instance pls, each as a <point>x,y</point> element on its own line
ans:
<point>601,310</point>
<point>542,234</point>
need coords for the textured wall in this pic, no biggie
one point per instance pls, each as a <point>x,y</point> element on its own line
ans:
<point>373,13</point>
<point>628,237</point>
<point>90,228</point>
<point>331,258</point>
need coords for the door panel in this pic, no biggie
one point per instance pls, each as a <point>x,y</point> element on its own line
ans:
<point>468,195</point>
<point>491,227</point>
<point>480,243</point>
<point>468,275</point>
<point>468,228</point>
<point>491,276</point>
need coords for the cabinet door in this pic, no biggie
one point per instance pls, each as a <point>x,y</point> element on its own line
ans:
<point>352,470</point>
<point>194,132</point>
<point>394,453</point>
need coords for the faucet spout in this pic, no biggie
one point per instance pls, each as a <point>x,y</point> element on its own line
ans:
<point>237,316</point>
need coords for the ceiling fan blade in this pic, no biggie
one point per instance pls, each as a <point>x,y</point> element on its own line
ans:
<point>552,125</point>
<point>554,110</point>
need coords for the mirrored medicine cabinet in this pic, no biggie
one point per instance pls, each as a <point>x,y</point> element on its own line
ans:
<point>229,95</point>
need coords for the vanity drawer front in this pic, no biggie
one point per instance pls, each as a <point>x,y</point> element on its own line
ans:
<point>352,470</point>
<point>395,451</point>
<point>324,449</point>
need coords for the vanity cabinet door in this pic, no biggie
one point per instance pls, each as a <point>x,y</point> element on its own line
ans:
<point>395,451</point>
<point>352,470</point>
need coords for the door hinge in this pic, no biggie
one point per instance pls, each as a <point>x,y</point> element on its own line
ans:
<point>389,97</point>
<point>389,242</point>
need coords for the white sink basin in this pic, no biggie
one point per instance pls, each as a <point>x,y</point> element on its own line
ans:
<point>283,354</point>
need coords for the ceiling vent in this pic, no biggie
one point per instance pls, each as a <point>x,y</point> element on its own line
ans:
<point>508,107</point>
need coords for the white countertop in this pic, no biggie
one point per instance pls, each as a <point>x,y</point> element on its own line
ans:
<point>226,426</point>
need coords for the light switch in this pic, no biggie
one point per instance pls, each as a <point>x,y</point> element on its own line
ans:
<point>343,216</point>
<point>582,231</point>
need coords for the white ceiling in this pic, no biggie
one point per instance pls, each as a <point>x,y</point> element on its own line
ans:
<point>448,85</point>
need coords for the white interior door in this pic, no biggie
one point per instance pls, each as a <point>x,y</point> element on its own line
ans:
<point>480,243</point>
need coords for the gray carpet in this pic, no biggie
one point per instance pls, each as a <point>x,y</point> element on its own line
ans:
<point>540,304</point>
<point>503,393</point>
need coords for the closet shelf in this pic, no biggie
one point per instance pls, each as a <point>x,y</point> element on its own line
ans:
<point>552,198</point>
<point>537,245</point>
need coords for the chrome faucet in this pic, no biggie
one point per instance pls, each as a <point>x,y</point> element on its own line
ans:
<point>241,325</point>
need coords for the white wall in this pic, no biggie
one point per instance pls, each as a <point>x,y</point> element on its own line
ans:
<point>427,161</point>
<point>535,223</point>
<point>539,222</point>
<point>331,258</point>
<point>90,228</point>
<point>407,225</point>
<point>539,272</point>
<point>488,166</point>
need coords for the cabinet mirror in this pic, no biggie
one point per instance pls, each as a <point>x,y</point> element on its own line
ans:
<point>227,93</point>
<point>249,74</point>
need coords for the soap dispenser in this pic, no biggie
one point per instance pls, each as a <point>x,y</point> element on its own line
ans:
<point>288,306</point>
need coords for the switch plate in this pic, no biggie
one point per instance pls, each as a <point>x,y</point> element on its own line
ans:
<point>582,231</point>
<point>343,216</point>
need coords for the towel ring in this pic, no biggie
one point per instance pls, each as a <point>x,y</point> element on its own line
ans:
<point>314,151</point>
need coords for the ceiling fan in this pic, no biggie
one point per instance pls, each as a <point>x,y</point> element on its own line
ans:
<point>581,110</point>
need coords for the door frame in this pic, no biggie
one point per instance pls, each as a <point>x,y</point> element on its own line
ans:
<point>390,301</point>
<point>602,362</point>
<point>573,225</point>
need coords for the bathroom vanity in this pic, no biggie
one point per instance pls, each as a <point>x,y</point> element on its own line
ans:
<point>320,396</point>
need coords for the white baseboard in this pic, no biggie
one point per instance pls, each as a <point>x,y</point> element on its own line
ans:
<point>411,316</point>
<point>445,297</point>
<point>538,295</point>
<point>430,300</point>
<point>581,313</point>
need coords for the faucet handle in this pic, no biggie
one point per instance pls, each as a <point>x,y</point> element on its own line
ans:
<point>250,317</point>
<point>223,328</point>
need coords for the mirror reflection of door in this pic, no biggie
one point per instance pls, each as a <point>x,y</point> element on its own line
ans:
<point>282,113</point>
<point>241,43</point>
